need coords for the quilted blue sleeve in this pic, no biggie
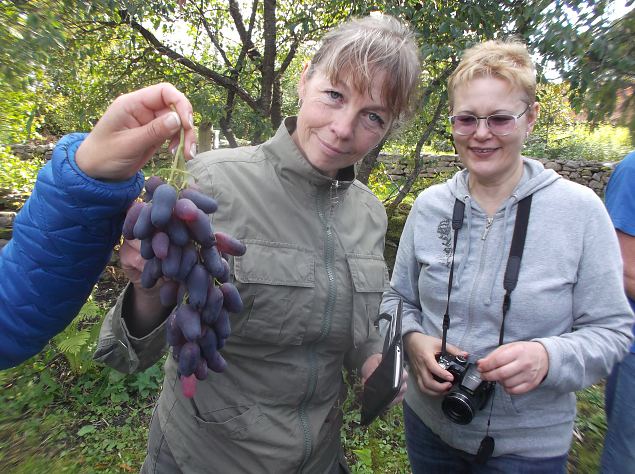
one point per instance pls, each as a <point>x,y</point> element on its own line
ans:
<point>62,240</point>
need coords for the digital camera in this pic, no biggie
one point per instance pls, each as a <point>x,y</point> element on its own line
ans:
<point>468,393</point>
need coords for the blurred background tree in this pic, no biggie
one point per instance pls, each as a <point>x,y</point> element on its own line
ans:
<point>63,61</point>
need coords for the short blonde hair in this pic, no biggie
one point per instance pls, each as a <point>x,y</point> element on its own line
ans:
<point>508,60</point>
<point>356,51</point>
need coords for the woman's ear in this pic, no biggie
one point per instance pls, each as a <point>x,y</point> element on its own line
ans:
<point>303,79</point>
<point>532,116</point>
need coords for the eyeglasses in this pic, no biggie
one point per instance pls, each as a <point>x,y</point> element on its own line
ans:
<point>498,124</point>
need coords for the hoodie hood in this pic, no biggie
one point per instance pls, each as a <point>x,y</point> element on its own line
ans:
<point>534,177</point>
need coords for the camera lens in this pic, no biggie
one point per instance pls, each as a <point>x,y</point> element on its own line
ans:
<point>458,408</point>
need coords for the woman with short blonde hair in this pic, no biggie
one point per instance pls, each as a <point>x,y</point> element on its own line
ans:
<point>511,284</point>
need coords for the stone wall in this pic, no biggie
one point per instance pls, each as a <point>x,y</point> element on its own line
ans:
<point>26,151</point>
<point>595,175</point>
<point>592,174</point>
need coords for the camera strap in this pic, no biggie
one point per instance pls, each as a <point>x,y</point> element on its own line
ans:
<point>515,256</point>
<point>457,223</point>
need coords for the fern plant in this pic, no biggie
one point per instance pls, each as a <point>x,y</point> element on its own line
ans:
<point>77,342</point>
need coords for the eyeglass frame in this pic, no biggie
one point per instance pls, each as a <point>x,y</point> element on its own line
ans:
<point>486,118</point>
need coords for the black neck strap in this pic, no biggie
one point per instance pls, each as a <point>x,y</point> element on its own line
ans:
<point>515,256</point>
<point>457,223</point>
<point>513,261</point>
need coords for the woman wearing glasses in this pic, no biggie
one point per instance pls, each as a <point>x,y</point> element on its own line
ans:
<point>510,406</point>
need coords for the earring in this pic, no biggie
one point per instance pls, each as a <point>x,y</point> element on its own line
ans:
<point>300,102</point>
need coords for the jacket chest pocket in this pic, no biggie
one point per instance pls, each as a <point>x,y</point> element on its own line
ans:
<point>277,284</point>
<point>370,279</point>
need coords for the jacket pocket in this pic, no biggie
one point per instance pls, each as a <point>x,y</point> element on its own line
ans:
<point>234,422</point>
<point>277,282</point>
<point>370,279</point>
<point>221,408</point>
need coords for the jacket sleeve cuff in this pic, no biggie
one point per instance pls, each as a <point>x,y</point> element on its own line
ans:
<point>554,375</point>
<point>120,350</point>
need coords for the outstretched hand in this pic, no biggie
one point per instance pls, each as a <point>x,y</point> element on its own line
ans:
<point>132,129</point>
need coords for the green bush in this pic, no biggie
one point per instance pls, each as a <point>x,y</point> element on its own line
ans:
<point>17,176</point>
<point>580,142</point>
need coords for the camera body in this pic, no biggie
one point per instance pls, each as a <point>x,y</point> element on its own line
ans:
<point>469,392</point>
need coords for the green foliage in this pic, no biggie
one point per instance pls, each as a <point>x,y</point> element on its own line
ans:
<point>16,175</point>
<point>378,448</point>
<point>18,120</point>
<point>78,341</point>
<point>578,141</point>
<point>589,430</point>
<point>559,134</point>
<point>55,421</point>
<point>597,59</point>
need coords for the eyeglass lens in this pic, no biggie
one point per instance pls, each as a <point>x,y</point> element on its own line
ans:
<point>500,124</point>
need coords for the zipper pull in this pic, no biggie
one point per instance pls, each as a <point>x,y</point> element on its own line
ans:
<point>488,225</point>
<point>334,187</point>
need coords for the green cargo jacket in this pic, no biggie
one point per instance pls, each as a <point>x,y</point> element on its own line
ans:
<point>311,280</point>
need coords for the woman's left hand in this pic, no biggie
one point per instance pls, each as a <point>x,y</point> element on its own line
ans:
<point>519,366</point>
<point>371,365</point>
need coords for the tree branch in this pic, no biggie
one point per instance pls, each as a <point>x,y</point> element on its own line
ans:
<point>418,160</point>
<point>213,37</point>
<point>227,83</point>
<point>245,36</point>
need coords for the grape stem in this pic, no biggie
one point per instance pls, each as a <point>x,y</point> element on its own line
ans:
<point>179,160</point>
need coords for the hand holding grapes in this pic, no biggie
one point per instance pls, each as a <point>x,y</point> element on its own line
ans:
<point>133,128</point>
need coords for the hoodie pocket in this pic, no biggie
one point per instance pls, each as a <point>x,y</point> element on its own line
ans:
<point>277,284</point>
<point>370,279</point>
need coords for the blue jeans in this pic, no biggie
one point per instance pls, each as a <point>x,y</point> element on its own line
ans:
<point>428,454</point>
<point>619,444</point>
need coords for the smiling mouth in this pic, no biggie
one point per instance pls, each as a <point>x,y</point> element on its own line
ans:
<point>330,148</point>
<point>483,150</point>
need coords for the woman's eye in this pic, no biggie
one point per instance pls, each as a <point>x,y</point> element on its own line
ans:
<point>334,95</point>
<point>373,117</point>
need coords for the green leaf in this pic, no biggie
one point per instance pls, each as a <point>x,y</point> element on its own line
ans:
<point>86,429</point>
<point>73,344</point>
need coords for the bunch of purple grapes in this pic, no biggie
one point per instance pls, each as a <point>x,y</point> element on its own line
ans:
<point>179,245</point>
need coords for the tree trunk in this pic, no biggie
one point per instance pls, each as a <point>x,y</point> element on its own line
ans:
<point>205,136</point>
<point>405,189</point>
<point>368,163</point>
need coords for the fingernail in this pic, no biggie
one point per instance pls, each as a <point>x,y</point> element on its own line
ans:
<point>191,120</point>
<point>172,121</point>
<point>193,150</point>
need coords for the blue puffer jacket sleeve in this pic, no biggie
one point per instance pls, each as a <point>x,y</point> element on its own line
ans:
<point>62,240</point>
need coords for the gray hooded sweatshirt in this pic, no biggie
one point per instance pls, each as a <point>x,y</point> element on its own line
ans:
<point>569,297</point>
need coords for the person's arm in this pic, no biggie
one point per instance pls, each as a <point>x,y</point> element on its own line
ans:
<point>602,317</point>
<point>64,234</point>
<point>627,247</point>
<point>62,240</point>
<point>132,336</point>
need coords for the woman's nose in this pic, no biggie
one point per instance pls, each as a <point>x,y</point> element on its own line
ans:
<point>482,130</point>
<point>343,124</point>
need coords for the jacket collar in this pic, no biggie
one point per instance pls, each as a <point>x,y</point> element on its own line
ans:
<point>292,165</point>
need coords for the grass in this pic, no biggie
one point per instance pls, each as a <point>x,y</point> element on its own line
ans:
<point>53,420</point>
